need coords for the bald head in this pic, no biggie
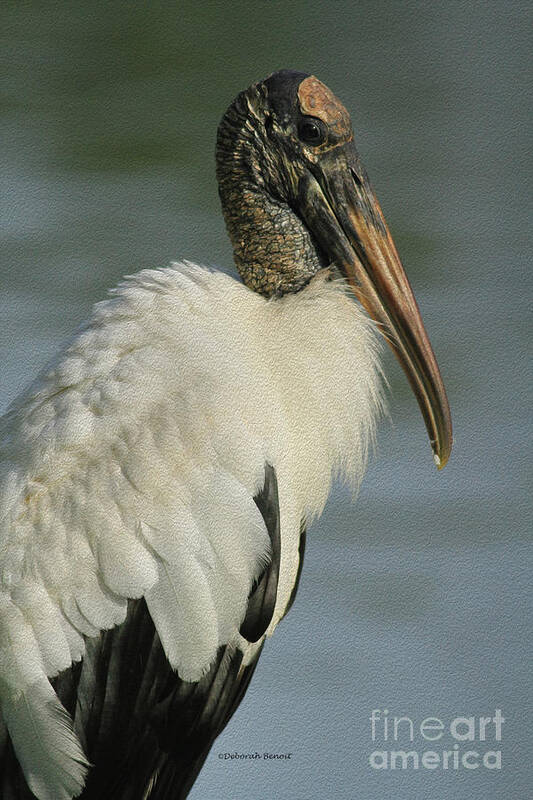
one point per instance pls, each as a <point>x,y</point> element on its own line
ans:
<point>315,99</point>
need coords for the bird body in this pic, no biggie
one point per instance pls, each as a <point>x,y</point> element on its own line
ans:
<point>157,478</point>
<point>139,450</point>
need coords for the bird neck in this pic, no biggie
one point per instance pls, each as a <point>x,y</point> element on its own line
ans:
<point>273,250</point>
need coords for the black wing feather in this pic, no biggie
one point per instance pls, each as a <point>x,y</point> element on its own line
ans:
<point>301,553</point>
<point>262,599</point>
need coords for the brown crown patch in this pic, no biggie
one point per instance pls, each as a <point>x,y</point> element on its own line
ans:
<point>317,100</point>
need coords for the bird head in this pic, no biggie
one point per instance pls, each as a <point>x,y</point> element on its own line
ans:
<point>296,199</point>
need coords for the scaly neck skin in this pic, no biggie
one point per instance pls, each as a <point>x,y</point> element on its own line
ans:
<point>273,250</point>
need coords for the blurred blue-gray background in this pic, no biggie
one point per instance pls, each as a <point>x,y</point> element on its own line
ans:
<point>414,599</point>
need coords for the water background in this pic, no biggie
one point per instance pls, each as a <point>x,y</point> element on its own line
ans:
<point>414,599</point>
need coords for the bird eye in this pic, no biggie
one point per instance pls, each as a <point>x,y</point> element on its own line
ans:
<point>312,131</point>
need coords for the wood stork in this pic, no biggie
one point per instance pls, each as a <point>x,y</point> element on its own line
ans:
<point>158,476</point>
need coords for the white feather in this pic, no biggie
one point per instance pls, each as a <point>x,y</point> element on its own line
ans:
<point>49,753</point>
<point>43,615</point>
<point>41,730</point>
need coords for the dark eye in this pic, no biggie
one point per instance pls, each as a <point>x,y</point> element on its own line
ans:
<point>312,131</point>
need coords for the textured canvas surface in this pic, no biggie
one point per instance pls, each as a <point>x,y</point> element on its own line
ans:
<point>413,600</point>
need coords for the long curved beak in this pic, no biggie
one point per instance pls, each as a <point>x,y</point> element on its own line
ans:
<point>339,207</point>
